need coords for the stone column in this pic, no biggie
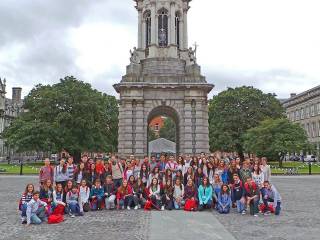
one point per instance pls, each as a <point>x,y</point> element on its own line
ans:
<point>172,35</point>
<point>202,130</point>
<point>153,23</point>
<point>140,22</point>
<point>143,40</point>
<point>188,135</point>
<point>125,135</point>
<point>139,129</point>
<point>185,28</point>
<point>181,33</point>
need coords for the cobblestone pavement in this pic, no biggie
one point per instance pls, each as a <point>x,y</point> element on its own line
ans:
<point>93,226</point>
<point>299,220</point>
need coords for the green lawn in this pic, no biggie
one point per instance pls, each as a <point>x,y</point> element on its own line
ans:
<point>15,168</point>
<point>302,168</point>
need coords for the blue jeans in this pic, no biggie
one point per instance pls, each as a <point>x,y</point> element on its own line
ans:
<point>38,217</point>
<point>223,210</point>
<point>97,203</point>
<point>240,206</point>
<point>177,205</point>
<point>23,210</point>
<point>127,201</point>
<point>74,208</point>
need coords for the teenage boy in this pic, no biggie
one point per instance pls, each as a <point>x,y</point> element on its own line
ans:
<point>36,210</point>
<point>270,194</point>
<point>251,191</point>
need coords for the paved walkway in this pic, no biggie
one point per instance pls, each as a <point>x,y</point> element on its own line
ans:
<point>187,225</point>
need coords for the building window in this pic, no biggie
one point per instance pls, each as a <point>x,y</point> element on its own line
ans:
<point>147,17</point>
<point>297,115</point>
<point>313,134</point>
<point>302,113</point>
<point>308,129</point>
<point>177,29</point>
<point>307,111</point>
<point>312,110</point>
<point>318,108</point>
<point>163,27</point>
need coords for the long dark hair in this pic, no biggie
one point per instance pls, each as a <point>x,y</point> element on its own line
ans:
<point>228,189</point>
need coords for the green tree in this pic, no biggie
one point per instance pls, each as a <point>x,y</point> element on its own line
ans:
<point>234,111</point>
<point>151,134</point>
<point>274,138</point>
<point>168,130</point>
<point>68,115</point>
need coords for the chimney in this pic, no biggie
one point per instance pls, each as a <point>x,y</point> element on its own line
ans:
<point>293,95</point>
<point>16,94</point>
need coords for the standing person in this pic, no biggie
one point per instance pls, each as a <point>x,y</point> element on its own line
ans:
<point>71,168</point>
<point>85,161</point>
<point>92,175</point>
<point>144,174</point>
<point>36,210</point>
<point>257,175</point>
<point>205,195</point>
<point>252,196</point>
<point>265,168</point>
<point>245,172</point>
<point>178,193</point>
<point>110,193</point>
<point>198,177</point>
<point>224,200</point>
<point>26,197</point>
<point>81,174</point>
<point>233,169</point>
<point>74,203</point>
<point>46,172</point>
<point>155,174</point>
<point>84,192</point>
<point>187,163</point>
<point>238,194</point>
<point>188,175</point>
<point>154,194</point>
<point>270,194</point>
<point>222,172</point>
<point>96,195</point>
<point>117,172</point>
<point>190,196</point>
<point>124,196</point>
<point>180,164</point>
<point>153,163</point>
<point>210,172</point>
<point>60,173</point>
<point>100,169</point>
<point>172,165</point>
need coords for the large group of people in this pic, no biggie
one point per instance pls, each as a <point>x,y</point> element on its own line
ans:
<point>191,183</point>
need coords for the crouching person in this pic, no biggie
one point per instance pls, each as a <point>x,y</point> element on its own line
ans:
<point>270,194</point>
<point>97,196</point>
<point>110,193</point>
<point>124,196</point>
<point>36,210</point>
<point>224,200</point>
<point>73,200</point>
<point>57,203</point>
<point>205,195</point>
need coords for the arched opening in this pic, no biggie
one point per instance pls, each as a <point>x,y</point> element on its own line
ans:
<point>163,131</point>
<point>147,19</point>
<point>163,27</point>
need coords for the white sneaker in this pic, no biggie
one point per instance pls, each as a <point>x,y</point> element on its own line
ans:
<point>255,215</point>
<point>243,213</point>
<point>73,216</point>
<point>136,207</point>
<point>128,208</point>
<point>162,208</point>
<point>139,206</point>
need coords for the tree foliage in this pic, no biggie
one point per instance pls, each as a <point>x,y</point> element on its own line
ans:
<point>234,111</point>
<point>168,130</point>
<point>274,138</point>
<point>68,115</point>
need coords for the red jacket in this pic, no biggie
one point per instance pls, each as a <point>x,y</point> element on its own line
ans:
<point>121,195</point>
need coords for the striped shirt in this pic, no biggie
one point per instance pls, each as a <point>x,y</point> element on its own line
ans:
<point>26,197</point>
<point>70,171</point>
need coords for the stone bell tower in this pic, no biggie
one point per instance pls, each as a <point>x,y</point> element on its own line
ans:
<point>163,78</point>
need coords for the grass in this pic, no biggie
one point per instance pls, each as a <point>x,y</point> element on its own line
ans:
<point>15,168</point>
<point>302,168</point>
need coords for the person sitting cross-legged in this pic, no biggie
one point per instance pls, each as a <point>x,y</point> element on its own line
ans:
<point>36,210</point>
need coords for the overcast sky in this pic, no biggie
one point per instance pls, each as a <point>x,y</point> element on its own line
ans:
<point>273,45</point>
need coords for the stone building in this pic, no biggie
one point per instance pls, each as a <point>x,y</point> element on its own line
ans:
<point>9,109</point>
<point>163,78</point>
<point>304,109</point>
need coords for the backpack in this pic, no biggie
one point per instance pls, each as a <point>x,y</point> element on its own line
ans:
<point>190,205</point>
<point>54,219</point>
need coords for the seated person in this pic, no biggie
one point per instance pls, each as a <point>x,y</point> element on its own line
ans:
<point>97,195</point>
<point>36,210</point>
<point>224,200</point>
<point>205,195</point>
<point>73,201</point>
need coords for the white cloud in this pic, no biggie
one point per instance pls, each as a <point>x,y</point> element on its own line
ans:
<point>270,44</point>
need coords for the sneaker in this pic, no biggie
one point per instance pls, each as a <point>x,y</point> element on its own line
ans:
<point>23,220</point>
<point>128,208</point>
<point>139,206</point>
<point>255,215</point>
<point>73,216</point>
<point>243,212</point>
<point>136,207</point>
<point>162,208</point>
<point>266,214</point>
<point>122,207</point>
<point>70,214</point>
